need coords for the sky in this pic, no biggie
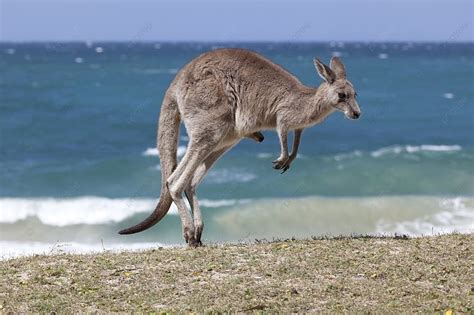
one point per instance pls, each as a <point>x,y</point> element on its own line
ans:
<point>232,20</point>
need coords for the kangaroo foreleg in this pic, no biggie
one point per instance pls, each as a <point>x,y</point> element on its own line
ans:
<point>294,150</point>
<point>283,158</point>
<point>284,164</point>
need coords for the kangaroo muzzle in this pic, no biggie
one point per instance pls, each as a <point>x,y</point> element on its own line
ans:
<point>353,111</point>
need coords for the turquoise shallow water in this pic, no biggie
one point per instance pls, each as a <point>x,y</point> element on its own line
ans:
<point>78,125</point>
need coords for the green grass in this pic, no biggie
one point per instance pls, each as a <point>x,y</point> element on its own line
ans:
<point>428,274</point>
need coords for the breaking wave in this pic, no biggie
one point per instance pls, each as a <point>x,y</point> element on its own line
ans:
<point>397,149</point>
<point>154,151</point>
<point>388,215</point>
<point>85,210</point>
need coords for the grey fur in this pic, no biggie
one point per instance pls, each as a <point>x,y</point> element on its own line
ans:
<point>223,96</point>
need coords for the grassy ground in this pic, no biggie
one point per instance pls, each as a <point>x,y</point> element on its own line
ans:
<point>345,274</point>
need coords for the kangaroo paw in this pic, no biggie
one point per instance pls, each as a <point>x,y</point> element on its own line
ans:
<point>281,164</point>
<point>284,169</point>
<point>258,136</point>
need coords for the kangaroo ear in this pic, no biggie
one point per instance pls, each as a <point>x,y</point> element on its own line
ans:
<point>338,67</point>
<point>324,71</point>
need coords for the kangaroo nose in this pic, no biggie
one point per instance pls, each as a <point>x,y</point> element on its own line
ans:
<point>356,115</point>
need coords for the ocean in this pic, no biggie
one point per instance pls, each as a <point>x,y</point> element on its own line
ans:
<point>78,159</point>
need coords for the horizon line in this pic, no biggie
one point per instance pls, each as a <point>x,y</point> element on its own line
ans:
<point>77,41</point>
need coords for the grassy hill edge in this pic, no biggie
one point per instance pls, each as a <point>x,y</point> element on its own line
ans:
<point>358,274</point>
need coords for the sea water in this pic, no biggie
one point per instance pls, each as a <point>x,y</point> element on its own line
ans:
<point>78,159</point>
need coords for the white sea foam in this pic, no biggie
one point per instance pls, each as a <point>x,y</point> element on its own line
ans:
<point>181,150</point>
<point>154,151</point>
<point>397,149</point>
<point>150,152</point>
<point>264,155</point>
<point>222,202</point>
<point>411,150</point>
<point>156,71</point>
<point>345,156</point>
<point>11,249</point>
<point>448,95</point>
<point>220,176</point>
<point>85,210</point>
<point>299,217</point>
<point>69,211</point>
<point>387,215</point>
<point>451,215</point>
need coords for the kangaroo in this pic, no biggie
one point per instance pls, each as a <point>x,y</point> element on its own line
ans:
<point>223,96</point>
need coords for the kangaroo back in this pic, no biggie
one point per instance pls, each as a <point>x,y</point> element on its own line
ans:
<point>167,142</point>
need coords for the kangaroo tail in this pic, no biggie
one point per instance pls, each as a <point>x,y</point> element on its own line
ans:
<point>167,142</point>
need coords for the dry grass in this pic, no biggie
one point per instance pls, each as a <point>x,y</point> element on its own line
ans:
<point>346,274</point>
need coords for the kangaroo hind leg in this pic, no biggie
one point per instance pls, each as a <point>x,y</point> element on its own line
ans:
<point>199,148</point>
<point>190,191</point>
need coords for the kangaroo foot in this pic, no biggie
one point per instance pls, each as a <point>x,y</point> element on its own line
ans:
<point>198,233</point>
<point>188,235</point>
<point>194,243</point>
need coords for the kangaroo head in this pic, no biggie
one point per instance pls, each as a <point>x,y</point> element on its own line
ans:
<point>338,91</point>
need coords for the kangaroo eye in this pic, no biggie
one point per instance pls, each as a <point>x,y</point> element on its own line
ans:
<point>342,96</point>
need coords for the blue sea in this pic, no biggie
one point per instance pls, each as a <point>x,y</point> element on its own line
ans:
<point>78,160</point>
